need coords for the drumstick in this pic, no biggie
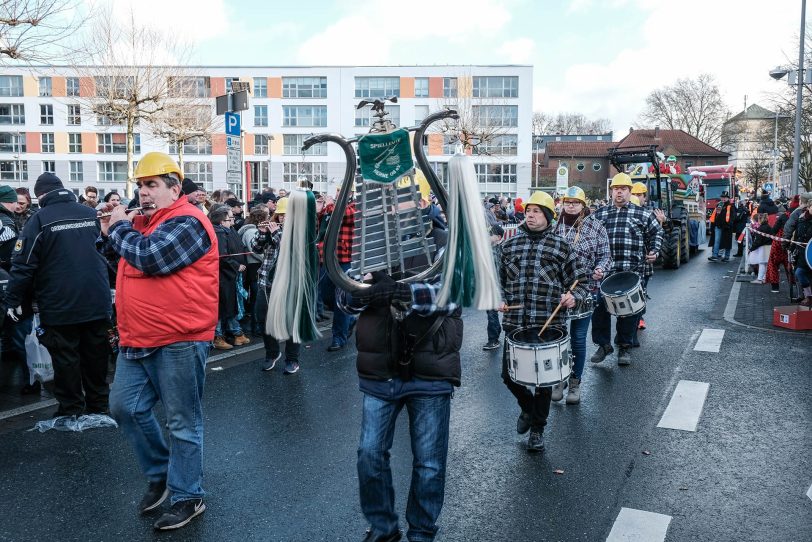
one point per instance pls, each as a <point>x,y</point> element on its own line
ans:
<point>513,307</point>
<point>558,308</point>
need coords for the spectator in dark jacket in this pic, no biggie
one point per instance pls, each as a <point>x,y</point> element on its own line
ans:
<point>766,205</point>
<point>231,266</point>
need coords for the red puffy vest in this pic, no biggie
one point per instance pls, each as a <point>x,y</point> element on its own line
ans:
<point>155,310</point>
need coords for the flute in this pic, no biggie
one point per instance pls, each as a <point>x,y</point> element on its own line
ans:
<point>145,207</point>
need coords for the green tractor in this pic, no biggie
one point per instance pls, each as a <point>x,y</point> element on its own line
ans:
<point>676,247</point>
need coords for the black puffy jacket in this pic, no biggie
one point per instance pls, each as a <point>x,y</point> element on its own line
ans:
<point>56,259</point>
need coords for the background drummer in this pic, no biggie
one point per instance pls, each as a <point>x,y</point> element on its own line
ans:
<point>537,266</point>
<point>635,237</point>
<point>588,238</point>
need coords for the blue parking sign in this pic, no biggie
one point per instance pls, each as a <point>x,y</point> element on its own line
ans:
<point>232,122</point>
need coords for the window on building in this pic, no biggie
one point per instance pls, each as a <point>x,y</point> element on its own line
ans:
<point>421,87</point>
<point>363,117</point>
<point>11,85</point>
<point>47,140</point>
<point>260,144</point>
<point>596,166</point>
<point>441,170</point>
<point>578,138</point>
<point>200,173</point>
<point>504,145</point>
<point>292,145</point>
<point>72,86</point>
<point>74,115</point>
<point>449,87</point>
<point>77,172</point>
<point>75,143</point>
<point>260,115</point>
<point>304,87</point>
<point>10,142</point>
<point>189,87</point>
<point>46,114</point>
<point>13,170</point>
<point>496,173</point>
<point>315,172</point>
<point>117,143</point>
<point>110,172</point>
<point>117,86</point>
<point>195,145</point>
<point>45,86</point>
<point>580,166</point>
<point>230,80</point>
<point>496,115</point>
<point>420,113</point>
<point>259,175</point>
<point>377,87</point>
<point>450,143</point>
<point>496,87</point>
<point>304,115</point>
<point>563,164</point>
<point>48,166</point>
<point>260,87</point>
<point>709,163</point>
<point>104,120</point>
<point>688,164</point>
<point>12,114</point>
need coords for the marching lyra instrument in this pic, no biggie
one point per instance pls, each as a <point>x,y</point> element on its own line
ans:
<point>390,231</point>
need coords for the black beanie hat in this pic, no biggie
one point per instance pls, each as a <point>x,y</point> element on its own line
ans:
<point>189,187</point>
<point>548,214</point>
<point>47,182</point>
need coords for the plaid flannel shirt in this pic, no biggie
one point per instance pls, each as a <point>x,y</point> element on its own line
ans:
<point>536,268</point>
<point>633,232</point>
<point>592,248</point>
<point>266,244</point>
<point>176,243</point>
<point>424,301</point>
<point>345,235</point>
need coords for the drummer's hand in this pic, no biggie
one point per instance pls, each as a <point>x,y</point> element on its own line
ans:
<point>503,308</point>
<point>597,274</point>
<point>651,256</point>
<point>568,300</point>
<point>659,215</point>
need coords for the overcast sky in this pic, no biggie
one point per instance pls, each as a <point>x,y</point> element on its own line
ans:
<point>597,57</point>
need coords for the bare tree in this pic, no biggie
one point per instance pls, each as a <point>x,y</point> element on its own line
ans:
<point>40,31</point>
<point>757,168</point>
<point>693,105</point>
<point>568,124</point>
<point>130,76</point>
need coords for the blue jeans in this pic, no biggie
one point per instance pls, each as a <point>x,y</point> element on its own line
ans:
<point>173,374</point>
<point>578,329</point>
<point>802,275</point>
<point>232,326</point>
<point>341,320</point>
<point>717,241</point>
<point>494,327</point>
<point>428,427</point>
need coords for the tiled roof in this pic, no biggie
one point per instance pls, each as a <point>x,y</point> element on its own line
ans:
<point>579,149</point>
<point>754,111</point>
<point>683,142</point>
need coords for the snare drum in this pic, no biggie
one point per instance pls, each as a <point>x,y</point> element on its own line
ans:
<point>539,361</point>
<point>623,294</point>
<point>583,308</point>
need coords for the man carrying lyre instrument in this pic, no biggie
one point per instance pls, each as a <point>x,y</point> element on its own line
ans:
<point>536,268</point>
<point>413,362</point>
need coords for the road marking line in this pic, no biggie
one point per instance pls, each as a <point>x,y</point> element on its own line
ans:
<point>685,407</point>
<point>809,492</point>
<point>710,340</point>
<point>638,526</point>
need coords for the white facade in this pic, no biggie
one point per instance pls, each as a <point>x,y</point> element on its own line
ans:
<point>270,115</point>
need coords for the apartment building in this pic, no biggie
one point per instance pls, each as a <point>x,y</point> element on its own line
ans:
<point>46,125</point>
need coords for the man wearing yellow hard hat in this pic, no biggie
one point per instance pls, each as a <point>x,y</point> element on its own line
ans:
<point>537,266</point>
<point>635,237</point>
<point>165,334</point>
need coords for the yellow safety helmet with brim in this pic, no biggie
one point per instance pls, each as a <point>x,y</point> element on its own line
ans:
<point>154,164</point>
<point>621,179</point>
<point>281,206</point>
<point>574,192</point>
<point>639,188</point>
<point>542,199</point>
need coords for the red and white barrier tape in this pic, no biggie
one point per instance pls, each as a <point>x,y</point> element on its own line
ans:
<point>774,237</point>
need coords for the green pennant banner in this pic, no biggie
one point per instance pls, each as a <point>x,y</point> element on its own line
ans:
<point>385,158</point>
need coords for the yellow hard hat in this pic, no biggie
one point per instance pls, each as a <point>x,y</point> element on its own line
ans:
<point>281,206</point>
<point>421,182</point>
<point>542,199</point>
<point>156,163</point>
<point>573,192</point>
<point>621,179</point>
<point>639,188</point>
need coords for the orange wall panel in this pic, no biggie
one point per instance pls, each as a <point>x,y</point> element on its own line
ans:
<point>218,144</point>
<point>33,142</point>
<point>435,87</point>
<point>218,86</point>
<point>274,87</point>
<point>89,143</point>
<point>87,87</point>
<point>59,88</point>
<point>248,141</point>
<point>435,144</point>
<point>407,87</point>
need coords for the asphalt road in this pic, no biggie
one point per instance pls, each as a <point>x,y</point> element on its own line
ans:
<point>280,450</point>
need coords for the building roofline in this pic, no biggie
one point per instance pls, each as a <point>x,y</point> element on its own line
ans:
<point>256,66</point>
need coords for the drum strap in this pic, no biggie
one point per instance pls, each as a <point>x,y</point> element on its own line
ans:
<point>408,348</point>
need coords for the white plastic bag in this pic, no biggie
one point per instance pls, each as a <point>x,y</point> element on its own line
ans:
<point>73,423</point>
<point>40,366</point>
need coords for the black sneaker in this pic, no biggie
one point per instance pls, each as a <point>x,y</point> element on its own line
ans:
<point>535,442</point>
<point>713,258</point>
<point>157,492</point>
<point>270,363</point>
<point>491,345</point>
<point>601,353</point>
<point>291,367</point>
<point>523,423</point>
<point>624,357</point>
<point>181,513</point>
<point>370,536</point>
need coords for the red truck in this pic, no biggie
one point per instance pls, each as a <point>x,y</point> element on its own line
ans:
<point>713,180</point>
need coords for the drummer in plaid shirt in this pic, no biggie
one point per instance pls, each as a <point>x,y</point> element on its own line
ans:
<point>635,237</point>
<point>535,269</point>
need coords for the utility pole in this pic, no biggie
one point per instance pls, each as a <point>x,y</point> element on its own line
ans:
<point>796,151</point>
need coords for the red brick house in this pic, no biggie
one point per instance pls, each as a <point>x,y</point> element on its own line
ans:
<point>586,161</point>
<point>688,150</point>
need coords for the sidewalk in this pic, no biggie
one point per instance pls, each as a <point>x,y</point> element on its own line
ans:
<point>756,304</point>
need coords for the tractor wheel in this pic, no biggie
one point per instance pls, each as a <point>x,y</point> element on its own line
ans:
<point>685,253</point>
<point>672,248</point>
